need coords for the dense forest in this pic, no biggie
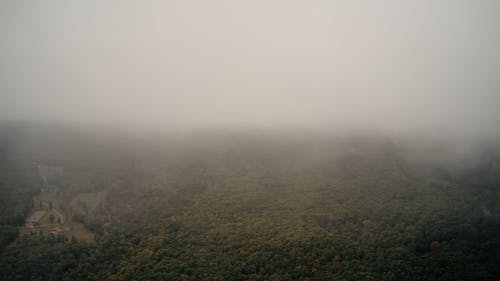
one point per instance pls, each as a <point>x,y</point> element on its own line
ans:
<point>245,206</point>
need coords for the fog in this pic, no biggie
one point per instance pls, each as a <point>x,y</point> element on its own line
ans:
<point>390,66</point>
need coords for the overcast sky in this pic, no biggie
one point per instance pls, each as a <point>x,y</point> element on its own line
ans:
<point>391,65</point>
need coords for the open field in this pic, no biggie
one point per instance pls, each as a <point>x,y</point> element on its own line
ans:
<point>44,209</point>
<point>57,218</point>
<point>36,216</point>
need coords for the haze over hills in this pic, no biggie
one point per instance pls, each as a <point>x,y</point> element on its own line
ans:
<point>249,140</point>
<point>246,206</point>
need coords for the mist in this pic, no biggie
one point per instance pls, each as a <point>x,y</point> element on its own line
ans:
<point>396,67</point>
<point>250,140</point>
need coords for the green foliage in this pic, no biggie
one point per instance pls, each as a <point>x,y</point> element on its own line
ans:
<point>267,210</point>
<point>7,235</point>
<point>47,259</point>
<point>17,186</point>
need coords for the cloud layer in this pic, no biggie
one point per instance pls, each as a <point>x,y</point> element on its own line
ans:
<point>387,65</point>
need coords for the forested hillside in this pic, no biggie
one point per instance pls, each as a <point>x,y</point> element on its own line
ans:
<point>246,206</point>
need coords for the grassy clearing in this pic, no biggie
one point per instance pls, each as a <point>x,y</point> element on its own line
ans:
<point>91,200</point>
<point>50,203</point>
<point>55,216</point>
<point>81,233</point>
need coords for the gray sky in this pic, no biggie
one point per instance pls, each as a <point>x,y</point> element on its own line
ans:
<point>388,65</point>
